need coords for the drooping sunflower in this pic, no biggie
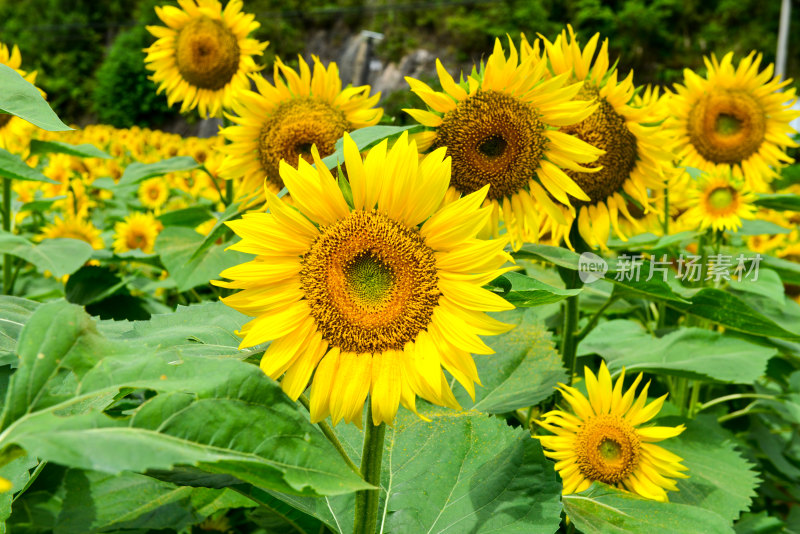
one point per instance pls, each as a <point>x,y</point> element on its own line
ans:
<point>136,231</point>
<point>14,131</point>
<point>636,157</point>
<point>602,440</point>
<point>500,128</point>
<point>75,228</point>
<point>283,121</point>
<point>735,120</point>
<point>720,202</point>
<point>203,55</point>
<point>153,193</point>
<point>373,294</point>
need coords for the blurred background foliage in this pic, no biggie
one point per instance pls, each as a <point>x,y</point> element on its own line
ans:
<point>89,56</point>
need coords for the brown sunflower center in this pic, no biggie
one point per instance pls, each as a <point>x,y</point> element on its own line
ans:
<point>727,126</point>
<point>207,53</point>
<point>606,130</point>
<point>371,283</point>
<point>135,239</point>
<point>608,449</point>
<point>493,138</point>
<point>154,193</point>
<point>293,128</point>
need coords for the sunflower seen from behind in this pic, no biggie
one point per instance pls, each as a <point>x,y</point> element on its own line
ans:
<point>281,122</point>
<point>718,202</point>
<point>202,55</point>
<point>602,439</point>
<point>500,129</point>
<point>735,120</point>
<point>371,294</point>
<point>636,158</point>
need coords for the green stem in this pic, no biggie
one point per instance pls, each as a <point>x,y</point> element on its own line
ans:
<point>734,396</point>
<point>596,317</point>
<point>328,432</point>
<point>694,398</point>
<point>228,192</point>
<point>367,500</point>
<point>744,411</point>
<point>7,227</point>
<point>569,342</point>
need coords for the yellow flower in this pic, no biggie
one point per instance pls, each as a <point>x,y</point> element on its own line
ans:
<point>499,128</point>
<point>74,227</point>
<point>153,193</point>
<point>719,203</point>
<point>282,122</point>
<point>602,439</point>
<point>636,157</point>
<point>373,296</point>
<point>202,56</point>
<point>735,120</point>
<point>14,132</point>
<point>136,231</point>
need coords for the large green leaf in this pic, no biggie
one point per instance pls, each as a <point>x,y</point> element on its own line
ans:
<point>215,415</point>
<point>176,245</point>
<point>524,369</point>
<point>59,256</point>
<point>12,166</point>
<point>14,313</point>
<point>780,202</point>
<point>525,291</point>
<point>191,217</point>
<point>461,472</point>
<point>21,98</point>
<point>719,480</point>
<point>602,509</point>
<point>732,312</point>
<point>690,352</point>
<point>82,151</point>
<point>17,471</point>
<point>136,172</point>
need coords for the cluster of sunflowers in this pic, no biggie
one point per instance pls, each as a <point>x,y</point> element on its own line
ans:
<point>371,270</point>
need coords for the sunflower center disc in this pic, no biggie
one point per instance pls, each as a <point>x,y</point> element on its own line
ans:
<point>135,239</point>
<point>607,448</point>
<point>493,138</point>
<point>727,126</point>
<point>207,54</point>
<point>293,128</point>
<point>721,198</point>
<point>370,282</point>
<point>606,130</point>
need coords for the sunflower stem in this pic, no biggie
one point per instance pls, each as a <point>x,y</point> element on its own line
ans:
<point>595,318</point>
<point>569,342</point>
<point>735,396</point>
<point>328,432</point>
<point>367,500</point>
<point>7,274</point>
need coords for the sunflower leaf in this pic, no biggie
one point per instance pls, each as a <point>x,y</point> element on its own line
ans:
<point>525,291</point>
<point>688,352</point>
<point>12,166</point>
<point>779,202</point>
<point>59,256</point>
<point>56,147</point>
<point>602,509</point>
<point>137,172</point>
<point>21,98</point>
<point>366,138</point>
<point>14,313</point>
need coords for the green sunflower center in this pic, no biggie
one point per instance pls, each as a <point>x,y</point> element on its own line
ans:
<point>370,282</point>
<point>606,130</point>
<point>493,138</point>
<point>608,449</point>
<point>293,128</point>
<point>207,53</point>
<point>721,198</point>
<point>726,126</point>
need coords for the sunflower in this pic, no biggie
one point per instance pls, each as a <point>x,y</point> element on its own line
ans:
<point>635,160</point>
<point>602,439</point>
<point>373,293</point>
<point>500,129</point>
<point>153,193</point>
<point>283,121</point>
<point>718,202</point>
<point>14,131</point>
<point>75,228</point>
<point>203,56</point>
<point>136,231</point>
<point>735,120</point>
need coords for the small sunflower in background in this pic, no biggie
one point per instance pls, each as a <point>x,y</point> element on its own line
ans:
<point>500,129</point>
<point>282,122</point>
<point>375,294</point>
<point>153,193</point>
<point>603,440</point>
<point>636,149</point>
<point>138,231</point>
<point>735,120</point>
<point>75,227</point>
<point>720,202</point>
<point>203,55</point>
<point>14,132</point>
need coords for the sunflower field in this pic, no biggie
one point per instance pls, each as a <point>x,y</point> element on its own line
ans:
<point>546,300</point>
